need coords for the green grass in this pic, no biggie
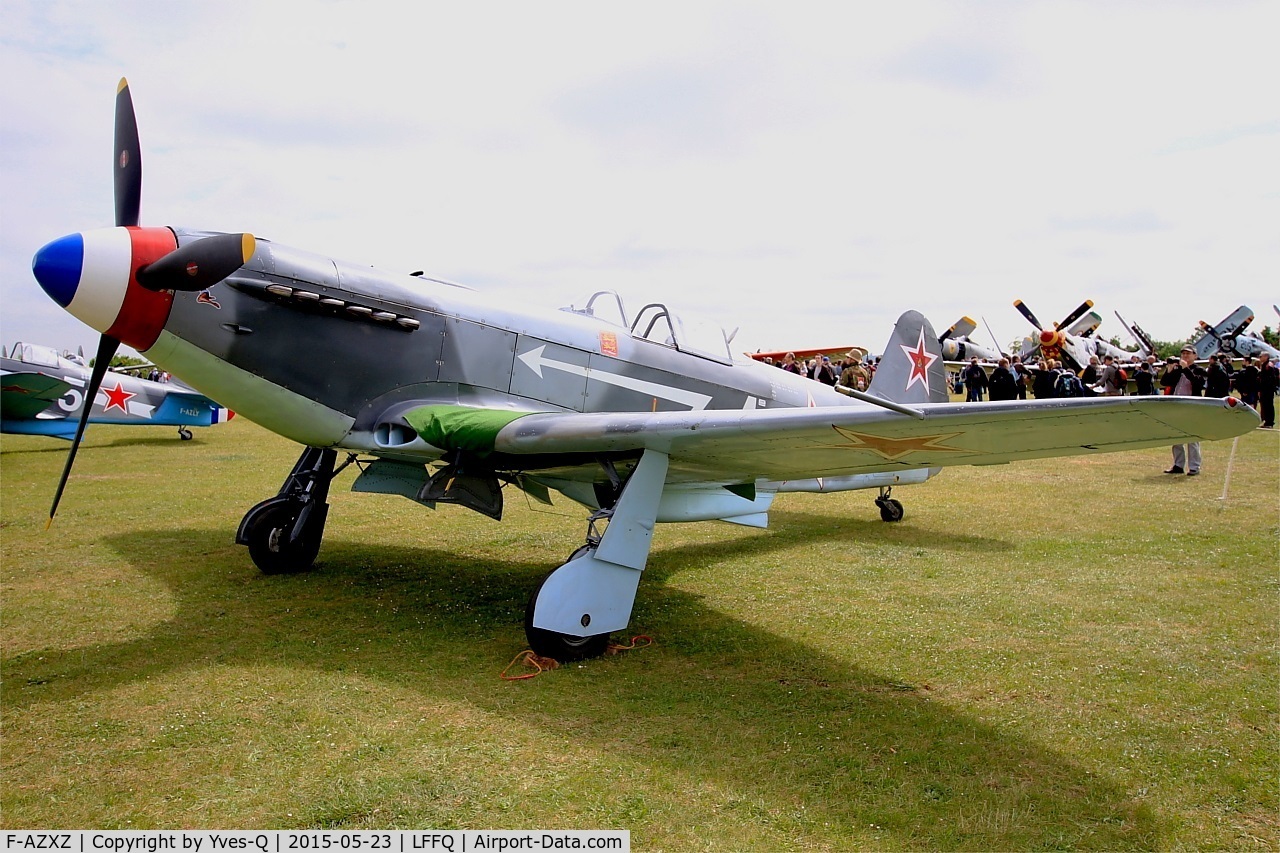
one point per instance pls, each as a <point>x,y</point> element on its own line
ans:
<point>1076,653</point>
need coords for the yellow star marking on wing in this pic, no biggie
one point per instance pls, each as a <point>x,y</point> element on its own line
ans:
<point>896,448</point>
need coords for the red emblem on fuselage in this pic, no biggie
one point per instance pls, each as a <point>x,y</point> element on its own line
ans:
<point>116,398</point>
<point>609,344</point>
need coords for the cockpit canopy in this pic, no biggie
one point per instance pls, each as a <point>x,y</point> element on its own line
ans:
<point>40,356</point>
<point>659,324</point>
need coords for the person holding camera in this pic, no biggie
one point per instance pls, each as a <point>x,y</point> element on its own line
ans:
<point>1185,379</point>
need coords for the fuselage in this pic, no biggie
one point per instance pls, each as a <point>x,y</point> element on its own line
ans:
<point>328,353</point>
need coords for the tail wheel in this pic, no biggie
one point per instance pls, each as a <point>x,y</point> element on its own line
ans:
<point>564,648</point>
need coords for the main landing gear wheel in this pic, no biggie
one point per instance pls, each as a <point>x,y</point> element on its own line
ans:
<point>269,545</point>
<point>284,533</point>
<point>184,433</point>
<point>891,510</point>
<point>564,648</point>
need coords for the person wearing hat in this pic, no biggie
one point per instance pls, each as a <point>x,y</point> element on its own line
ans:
<point>853,374</point>
<point>1185,379</point>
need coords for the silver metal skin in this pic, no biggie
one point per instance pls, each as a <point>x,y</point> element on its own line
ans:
<point>1228,338</point>
<point>446,395</point>
<point>44,393</point>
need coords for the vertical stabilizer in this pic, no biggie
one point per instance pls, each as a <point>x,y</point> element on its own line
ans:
<point>911,369</point>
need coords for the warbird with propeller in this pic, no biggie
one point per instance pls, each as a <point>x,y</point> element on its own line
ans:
<point>1228,338</point>
<point>42,392</point>
<point>445,396</point>
<point>1071,341</point>
<point>958,348</point>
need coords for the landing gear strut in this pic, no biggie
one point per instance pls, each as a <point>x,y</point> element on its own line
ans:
<point>890,508</point>
<point>573,610</point>
<point>184,433</point>
<point>284,532</point>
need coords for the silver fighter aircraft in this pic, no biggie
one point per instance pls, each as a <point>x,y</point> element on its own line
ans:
<point>1072,341</point>
<point>42,392</point>
<point>958,348</point>
<point>1228,338</point>
<point>446,396</point>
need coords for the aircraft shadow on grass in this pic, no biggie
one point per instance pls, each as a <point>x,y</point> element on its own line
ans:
<point>60,448</point>
<point>416,605</point>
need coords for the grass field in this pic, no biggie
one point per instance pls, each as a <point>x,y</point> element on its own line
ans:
<point>1076,653</point>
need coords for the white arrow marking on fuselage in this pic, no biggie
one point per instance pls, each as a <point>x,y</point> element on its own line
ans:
<point>140,410</point>
<point>535,361</point>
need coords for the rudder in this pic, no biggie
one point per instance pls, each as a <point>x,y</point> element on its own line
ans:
<point>911,369</point>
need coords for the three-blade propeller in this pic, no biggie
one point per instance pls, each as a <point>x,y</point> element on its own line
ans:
<point>195,266</point>
<point>127,177</point>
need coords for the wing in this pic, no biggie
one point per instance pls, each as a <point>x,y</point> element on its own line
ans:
<point>792,444</point>
<point>834,352</point>
<point>25,395</point>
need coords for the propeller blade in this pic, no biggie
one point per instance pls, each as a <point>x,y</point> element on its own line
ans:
<point>128,162</point>
<point>107,347</point>
<point>1076,314</point>
<point>1026,312</point>
<point>200,264</point>
<point>959,329</point>
<point>1238,329</point>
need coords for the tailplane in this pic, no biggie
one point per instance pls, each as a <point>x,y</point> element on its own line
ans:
<point>911,369</point>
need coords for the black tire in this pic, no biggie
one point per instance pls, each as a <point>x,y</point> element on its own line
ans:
<point>890,510</point>
<point>268,545</point>
<point>564,648</point>
<point>184,433</point>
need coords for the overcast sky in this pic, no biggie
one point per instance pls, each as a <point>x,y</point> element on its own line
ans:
<point>804,171</point>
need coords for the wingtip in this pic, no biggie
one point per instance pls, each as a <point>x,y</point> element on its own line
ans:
<point>123,84</point>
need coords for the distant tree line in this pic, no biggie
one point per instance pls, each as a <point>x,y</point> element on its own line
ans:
<point>122,361</point>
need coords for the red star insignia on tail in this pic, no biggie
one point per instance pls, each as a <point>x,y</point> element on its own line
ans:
<point>116,398</point>
<point>921,358</point>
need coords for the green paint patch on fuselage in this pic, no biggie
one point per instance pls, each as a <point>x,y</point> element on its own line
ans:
<point>460,427</point>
